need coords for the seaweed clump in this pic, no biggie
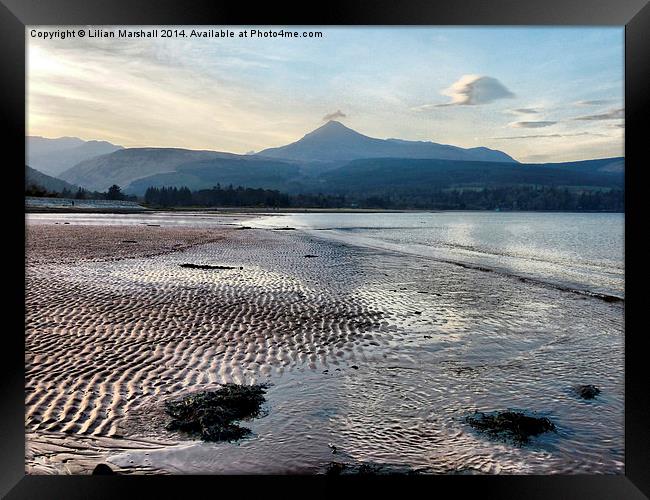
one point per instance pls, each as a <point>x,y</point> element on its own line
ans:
<point>212,415</point>
<point>587,391</point>
<point>513,425</point>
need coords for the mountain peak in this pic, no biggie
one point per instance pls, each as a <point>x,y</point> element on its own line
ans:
<point>333,124</point>
<point>332,129</point>
<point>333,141</point>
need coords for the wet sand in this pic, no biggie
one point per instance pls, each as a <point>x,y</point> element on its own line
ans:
<point>368,354</point>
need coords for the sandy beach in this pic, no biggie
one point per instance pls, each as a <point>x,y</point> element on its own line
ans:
<point>371,357</point>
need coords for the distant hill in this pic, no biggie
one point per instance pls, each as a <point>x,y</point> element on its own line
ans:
<point>53,156</point>
<point>124,166</point>
<point>243,171</point>
<point>336,142</point>
<point>385,175</point>
<point>38,179</point>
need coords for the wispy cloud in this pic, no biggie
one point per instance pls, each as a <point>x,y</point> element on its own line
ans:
<point>524,111</point>
<point>594,102</point>
<point>551,136</point>
<point>334,116</point>
<point>614,114</point>
<point>534,124</point>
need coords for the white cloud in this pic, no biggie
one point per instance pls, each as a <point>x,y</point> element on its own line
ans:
<point>475,89</point>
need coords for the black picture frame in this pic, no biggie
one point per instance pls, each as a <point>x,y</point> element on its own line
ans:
<point>633,14</point>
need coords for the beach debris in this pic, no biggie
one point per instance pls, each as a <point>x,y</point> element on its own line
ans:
<point>284,229</point>
<point>417,312</point>
<point>354,367</point>
<point>587,391</point>
<point>309,256</point>
<point>212,415</point>
<point>129,241</point>
<point>244,227</point>
<point>508,424</point>
<point>206,266</point>
<point>103,470</point>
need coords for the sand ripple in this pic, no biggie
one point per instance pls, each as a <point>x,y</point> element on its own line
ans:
<point>380,354</point>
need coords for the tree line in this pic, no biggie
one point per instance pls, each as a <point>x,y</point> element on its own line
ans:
<point>525,198</point>
<point>112,193</point>
<point>502,198</point>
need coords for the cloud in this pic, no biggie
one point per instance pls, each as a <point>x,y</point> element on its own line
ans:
<point>475,89</point>
<point>552,136</point>
<point>334,116</point>
<point>426,107</point>
<point>537,124</point>
<point>524,111</point>
<point>594,102</point>
<point>613,114</point>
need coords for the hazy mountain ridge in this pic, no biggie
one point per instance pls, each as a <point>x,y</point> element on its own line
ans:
<point>136,169</point>
<point>336,142</point>
<point>38,179</point>
<point>127,165</point>
<point>53,156</point>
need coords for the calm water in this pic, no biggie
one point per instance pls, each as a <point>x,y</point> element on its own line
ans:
<point>582,251</point>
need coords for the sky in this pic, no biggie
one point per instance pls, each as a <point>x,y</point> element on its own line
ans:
<point>538,94</point>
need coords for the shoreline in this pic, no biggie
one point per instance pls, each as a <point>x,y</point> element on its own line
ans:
<point>271,211</point>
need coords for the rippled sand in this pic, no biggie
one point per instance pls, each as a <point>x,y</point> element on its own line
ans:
<point>370,354</point>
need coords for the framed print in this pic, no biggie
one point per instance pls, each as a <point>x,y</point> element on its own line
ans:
<point>373,246</point>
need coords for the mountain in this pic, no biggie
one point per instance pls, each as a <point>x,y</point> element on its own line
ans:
<point>243,171</point>
<point>127,165</point>
<point>316,164</point>
<point>386,175</point>
<point>38,179</point>
<point>336,142</point>
<point>53,156</point>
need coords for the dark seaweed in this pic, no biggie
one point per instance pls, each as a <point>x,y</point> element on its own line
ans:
<point>212,415</point>
<point>587,391</point>
<point>513,425</point>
